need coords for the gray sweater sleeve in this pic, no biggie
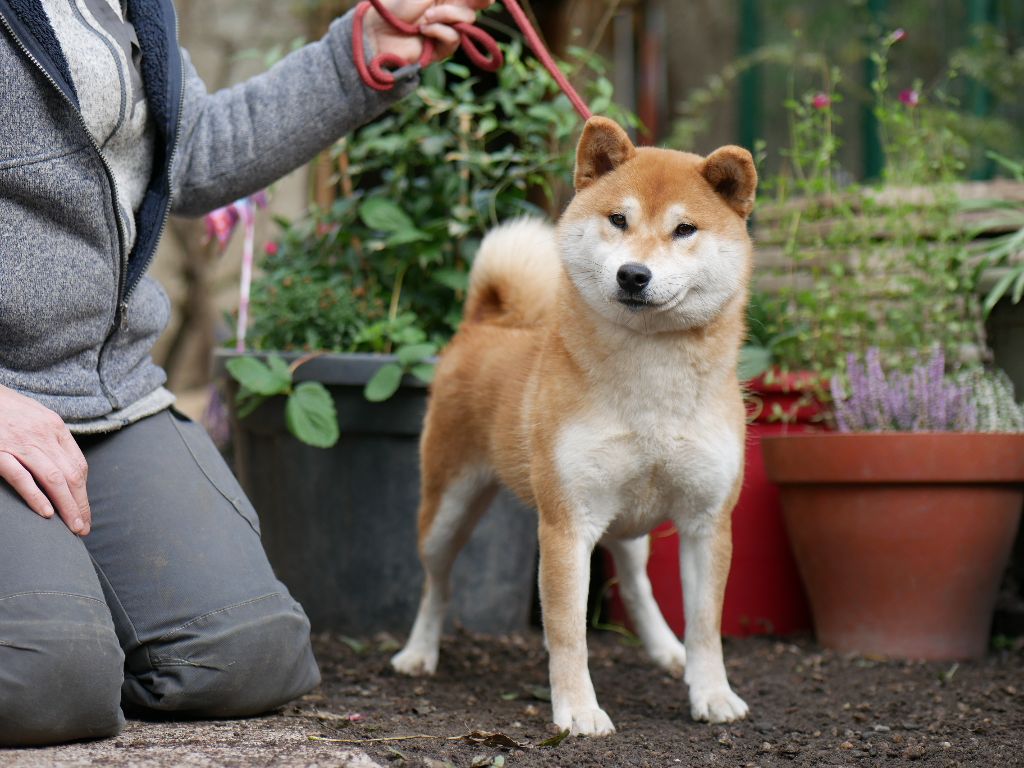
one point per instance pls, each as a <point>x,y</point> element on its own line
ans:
<point>238,140</point>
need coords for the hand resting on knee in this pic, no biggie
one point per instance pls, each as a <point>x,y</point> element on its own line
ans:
<point>42,462</point>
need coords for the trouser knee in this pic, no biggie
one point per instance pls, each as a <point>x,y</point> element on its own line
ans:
<point>243,660</point>
<point>61,669</point>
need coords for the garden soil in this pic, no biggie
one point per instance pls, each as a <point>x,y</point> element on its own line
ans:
<point>488,706</point>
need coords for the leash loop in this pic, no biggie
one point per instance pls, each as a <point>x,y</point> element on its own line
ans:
<point>480,47</point>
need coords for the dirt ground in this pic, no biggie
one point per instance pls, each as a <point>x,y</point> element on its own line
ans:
<point>808,708</point>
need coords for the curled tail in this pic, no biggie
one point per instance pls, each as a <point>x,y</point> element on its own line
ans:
<point>515,275</point>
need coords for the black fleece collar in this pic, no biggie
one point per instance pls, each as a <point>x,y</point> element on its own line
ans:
<point>32,27</point>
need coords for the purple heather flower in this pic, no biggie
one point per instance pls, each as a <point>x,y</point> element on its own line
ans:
<point>924,400</point>
<point>898,35</point>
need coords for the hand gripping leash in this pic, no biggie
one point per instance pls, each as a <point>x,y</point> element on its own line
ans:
<point>489,58</point>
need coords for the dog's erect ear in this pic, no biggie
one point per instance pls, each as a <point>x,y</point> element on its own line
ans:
<point>730,172</point>
<point>603,147</point>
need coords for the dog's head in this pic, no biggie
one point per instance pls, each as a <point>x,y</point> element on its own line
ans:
<point>655,239</point>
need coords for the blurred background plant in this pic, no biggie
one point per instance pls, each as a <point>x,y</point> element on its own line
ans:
<point>855,266</point>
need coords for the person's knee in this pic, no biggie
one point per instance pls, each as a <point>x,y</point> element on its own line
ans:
<point>242,660</point>
<point>60,680</point>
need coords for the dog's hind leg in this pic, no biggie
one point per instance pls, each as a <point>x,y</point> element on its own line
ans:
<point>447,518</point>
<point>705,551</point>
<point>659,641</point>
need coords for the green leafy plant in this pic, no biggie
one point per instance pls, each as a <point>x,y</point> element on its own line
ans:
<point>857,266</point>
<point>1004,252</point>
<point>309,411</point>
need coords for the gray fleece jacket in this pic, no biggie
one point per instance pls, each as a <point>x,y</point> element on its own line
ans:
<point>78,316</point>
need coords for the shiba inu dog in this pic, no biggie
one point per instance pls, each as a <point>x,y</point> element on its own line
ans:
<point>595,375</point>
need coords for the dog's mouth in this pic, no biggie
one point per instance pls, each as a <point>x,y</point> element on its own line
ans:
<point>638,303</point>
<point>634,304</point>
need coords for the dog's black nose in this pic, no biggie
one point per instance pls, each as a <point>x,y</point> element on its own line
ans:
<point>633,277</point>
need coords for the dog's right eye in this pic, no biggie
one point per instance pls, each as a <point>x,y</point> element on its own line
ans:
<point>618,221</point>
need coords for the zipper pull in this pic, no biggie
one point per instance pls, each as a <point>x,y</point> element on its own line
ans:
<point>122,312</point>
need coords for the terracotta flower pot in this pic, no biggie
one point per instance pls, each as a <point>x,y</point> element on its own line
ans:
<point>901,538</point>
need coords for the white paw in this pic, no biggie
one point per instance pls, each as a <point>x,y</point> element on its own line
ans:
<point>716,705</point>
<point>415,662</point>
<point>585,722</point>
<point>671,657</point>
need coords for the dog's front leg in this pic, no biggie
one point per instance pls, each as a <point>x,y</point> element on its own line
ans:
<point>705,552</point>
<point>564,581</point>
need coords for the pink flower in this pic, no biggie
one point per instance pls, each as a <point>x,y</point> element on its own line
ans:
<point>910,97</point>
<point>821,101</point>
<point>898,35</point>
<point>221,224</point>
<point>271,248</point>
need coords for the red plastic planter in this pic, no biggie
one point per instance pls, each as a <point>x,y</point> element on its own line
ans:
<point>764,594</point>
<point>901,538</point>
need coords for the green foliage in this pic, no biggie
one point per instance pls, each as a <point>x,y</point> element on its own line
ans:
<point>1005,252</point>
<point>993,398</point>
<point>386,267</point>
<point>309,410</point>
<point>868,267</point>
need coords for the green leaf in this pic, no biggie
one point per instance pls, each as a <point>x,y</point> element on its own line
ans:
<point>455,279</point>
<point>310,415</point>
<point>258,377</point>
<point>407,236</point>
<point>382,214</point>
<point>279,367</point>
<point>754,360</point>
<point>541,692</point>
<point>247,401</point>
<point>424,372</point>
<point>997,292</point>
<point>415,353</point>
<point>355,644</point>
<point>555,740</point>
<point>384,384</point>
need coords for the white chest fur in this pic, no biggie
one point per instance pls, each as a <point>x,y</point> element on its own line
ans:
<point>651,444</point>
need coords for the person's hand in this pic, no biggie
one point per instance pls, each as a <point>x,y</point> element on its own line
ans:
<point>435,20</point>
<point>42,462</point>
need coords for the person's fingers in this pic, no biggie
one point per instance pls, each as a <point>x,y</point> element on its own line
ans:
<point>21,480</point>
<point>449,14</point>
<point>55,484</point>
<point>76,470</point>
<point>446,37</point>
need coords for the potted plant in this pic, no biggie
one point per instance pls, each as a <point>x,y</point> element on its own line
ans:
<point>903,520</point>
<point>858,267</point>
<point>351,303</point>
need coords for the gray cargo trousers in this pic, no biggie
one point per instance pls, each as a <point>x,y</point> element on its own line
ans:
<point>169,604</point>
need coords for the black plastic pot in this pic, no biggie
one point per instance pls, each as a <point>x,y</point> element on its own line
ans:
<point>339,525</point>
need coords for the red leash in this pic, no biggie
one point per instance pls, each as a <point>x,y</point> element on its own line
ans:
<point>489,59</point>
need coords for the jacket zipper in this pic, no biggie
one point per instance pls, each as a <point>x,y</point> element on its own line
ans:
<point>170,163</point>
<point>122,255</point>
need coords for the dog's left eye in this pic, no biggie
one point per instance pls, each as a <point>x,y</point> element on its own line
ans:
<point>618,221</point>
<point>684,230</point>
